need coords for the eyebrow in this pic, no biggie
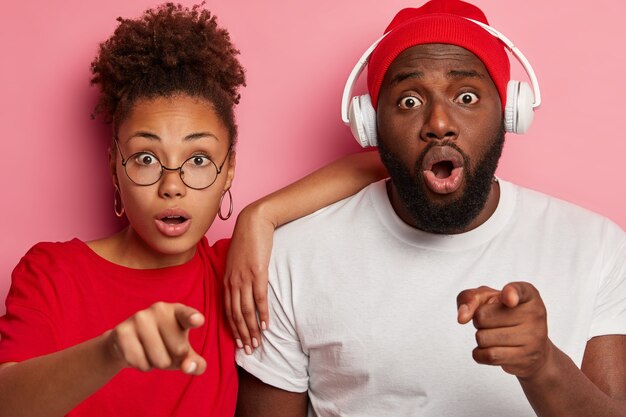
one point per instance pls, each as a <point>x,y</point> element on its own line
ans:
<point>464,74</point>
<point>453,74</point>
<point>189,137</point>
<point>401,76</point>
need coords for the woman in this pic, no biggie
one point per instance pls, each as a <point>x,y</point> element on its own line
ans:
<point>133,324</point>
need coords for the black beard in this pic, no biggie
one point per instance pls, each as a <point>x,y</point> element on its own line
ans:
<point>455,216</point>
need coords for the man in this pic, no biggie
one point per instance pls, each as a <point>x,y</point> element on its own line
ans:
<point>362,292</point>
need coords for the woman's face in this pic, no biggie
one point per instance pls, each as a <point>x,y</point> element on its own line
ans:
<point>168,218</point>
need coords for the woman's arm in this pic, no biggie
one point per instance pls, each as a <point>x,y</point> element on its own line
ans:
<point>248,258</point>
<point>52,385</point>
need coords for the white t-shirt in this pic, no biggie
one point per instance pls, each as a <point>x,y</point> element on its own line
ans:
<point>363,306</point>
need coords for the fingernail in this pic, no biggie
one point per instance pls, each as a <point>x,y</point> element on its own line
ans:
<point>248,350</point>
<point>194,317</point>
<point>255,342</point>
<point>263,326</point>
<point>239,343</point>
<point>191,368</point>
<point>463,309</point>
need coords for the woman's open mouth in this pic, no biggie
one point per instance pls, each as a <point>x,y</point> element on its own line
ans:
<point>172,222</point>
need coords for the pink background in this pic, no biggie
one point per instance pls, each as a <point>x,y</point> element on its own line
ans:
<point>297,55</point>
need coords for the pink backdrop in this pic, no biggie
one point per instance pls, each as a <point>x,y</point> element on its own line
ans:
<point>297,57</point>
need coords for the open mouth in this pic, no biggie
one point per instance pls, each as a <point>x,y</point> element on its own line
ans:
<point>443,169</point>
<point>173,220</point>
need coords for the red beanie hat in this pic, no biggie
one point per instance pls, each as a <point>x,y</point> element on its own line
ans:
<point>439,21</point>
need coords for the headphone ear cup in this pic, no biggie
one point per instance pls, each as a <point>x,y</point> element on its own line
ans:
<point>362,118</point>
<point>518,112</point>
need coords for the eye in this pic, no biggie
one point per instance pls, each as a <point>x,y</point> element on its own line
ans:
<point>145,159</point>
<point>409,102</point>
<point>198,161</point>
<point>467,98</point>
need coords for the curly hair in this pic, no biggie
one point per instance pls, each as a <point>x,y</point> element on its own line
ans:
<point>169,50</point>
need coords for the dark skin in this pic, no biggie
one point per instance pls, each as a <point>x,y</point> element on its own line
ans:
<point>512,333</point>
<point>255,398</point>
<point>444,93</point>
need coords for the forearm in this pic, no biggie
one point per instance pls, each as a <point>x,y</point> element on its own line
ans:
<point>329,184</point>
<point>561,388</point>
<point>52,385</point>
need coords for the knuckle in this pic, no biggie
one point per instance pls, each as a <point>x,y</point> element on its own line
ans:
<point>260,298</point>
<point>481,338</point>
<point>239,320</point>
<point>257,269</point>
<point>491,356</point>
<point>163,362</point>
<point>122,331</point>
<point>119,329</point>
<point>143,318</point>
<point>138,362</point>
<point>181,350</point>
<point>235,281</point>
<point>477,355</point>
<point>159,307</point>
<point>480,317</point>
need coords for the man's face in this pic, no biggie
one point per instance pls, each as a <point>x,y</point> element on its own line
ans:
<point>440,129</point>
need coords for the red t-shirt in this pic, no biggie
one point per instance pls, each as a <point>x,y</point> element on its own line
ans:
<point>64,293</point>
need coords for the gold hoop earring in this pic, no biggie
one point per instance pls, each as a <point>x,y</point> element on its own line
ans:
<point>119,213</point>
<point>230,206</point>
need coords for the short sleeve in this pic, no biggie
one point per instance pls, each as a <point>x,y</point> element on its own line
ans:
<point>27,329</point>
<point>217,254</point>
<point>609,315</point>
<point>280,360</point>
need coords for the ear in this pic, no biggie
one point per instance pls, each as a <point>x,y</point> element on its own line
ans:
<point>230,173</point>
<point>113,163</point>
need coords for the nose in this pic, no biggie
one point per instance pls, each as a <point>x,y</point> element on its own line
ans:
<point>439,124</point>
<point>171,185</point>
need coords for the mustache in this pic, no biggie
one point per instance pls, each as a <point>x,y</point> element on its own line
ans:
<point>432,144</point>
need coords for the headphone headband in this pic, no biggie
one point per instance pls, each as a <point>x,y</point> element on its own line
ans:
<point>354,75</point>
<point>520,57</point>
<point>363,61</point>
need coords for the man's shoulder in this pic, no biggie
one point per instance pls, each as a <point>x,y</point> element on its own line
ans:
<point>558,211</point>
<point>355,206</point>
<point>333,224</point>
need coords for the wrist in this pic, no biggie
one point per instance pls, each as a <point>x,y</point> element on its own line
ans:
<point>259,212</point>
<point>112,358</point>
<point>547,372</point>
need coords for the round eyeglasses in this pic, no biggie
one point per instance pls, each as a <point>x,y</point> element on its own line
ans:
<point>196,172</point>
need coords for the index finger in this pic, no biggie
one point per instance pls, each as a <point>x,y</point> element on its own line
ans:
<point>188,317</point>
<point>469,300</point>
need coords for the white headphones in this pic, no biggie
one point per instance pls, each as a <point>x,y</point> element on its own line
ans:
<point>521,100</point>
